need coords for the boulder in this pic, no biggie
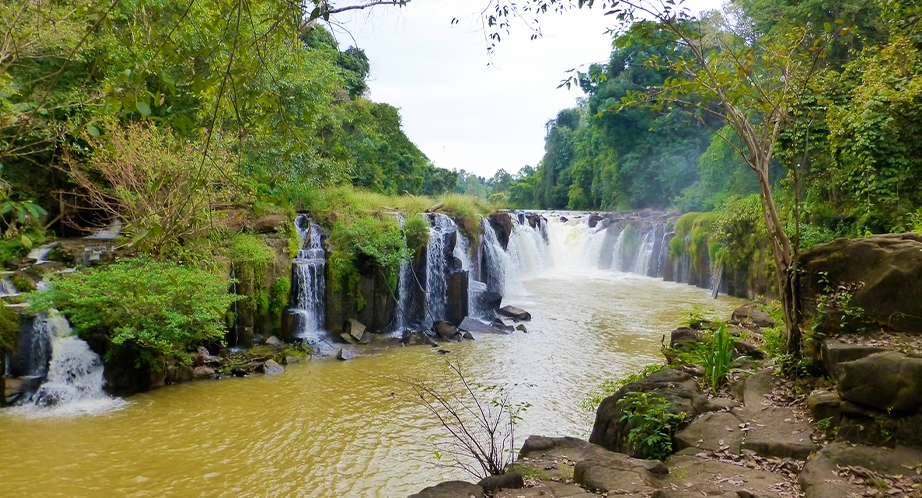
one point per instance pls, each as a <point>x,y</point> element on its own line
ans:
<point>269,223</point>
<point>203,372</point>
<point>509,480</point>
<point>684,339</point>
<point>354,328</point>
<point>450,489</point>
<point>344,354</point>
<point>501,223</point>
<point>596,467</point>
<point>825,405</point>
<point>751,315</point>
<point>749,350</point>
<point>890,382</point>
<point>468,336</point>
<point>594,219</point>
<point>834,352</point>
<point>445,330</point>
<point>476,326</point>
<point>270,367</point>
<point>679,388</point>
<point>515,313</point>
<point>886,269</point>
<point>273,341</point>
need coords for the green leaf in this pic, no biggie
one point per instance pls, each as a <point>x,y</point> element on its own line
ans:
<point>143,108</point>
<point>93,131</point>
<point>26,241</point>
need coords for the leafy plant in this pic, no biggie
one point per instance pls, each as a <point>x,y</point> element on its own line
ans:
<point>717,357</point>
<point>592,400</point>
<point>696,317</point>
<point>144,308</point>
<point>653,424</point>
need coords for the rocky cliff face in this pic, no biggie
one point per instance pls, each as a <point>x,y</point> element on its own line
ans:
<point>879,274</point>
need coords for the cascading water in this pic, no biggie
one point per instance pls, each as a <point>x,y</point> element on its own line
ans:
<point>645,253</point>
<point>40,254</point>
<point>617,258</point>
<point>73,375</point>
<point>495,260</point>
<point>441,231</point>
<point>7,287</point>
<point>307,278</point>
<point>528,249</point>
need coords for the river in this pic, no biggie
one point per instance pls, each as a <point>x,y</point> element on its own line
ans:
<point>341,429</point>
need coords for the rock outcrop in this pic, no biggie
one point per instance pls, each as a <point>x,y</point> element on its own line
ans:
<point>882,272</point>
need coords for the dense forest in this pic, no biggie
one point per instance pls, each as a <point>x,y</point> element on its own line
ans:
<point>852,137</point>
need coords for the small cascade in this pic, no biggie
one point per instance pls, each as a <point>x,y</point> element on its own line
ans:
<point>645,253</point>
<point>307,279</point>
<point>7,287</point>
<point>73,375</point>
<point>40,254</point>
<point>441,234</point>
<point>405,282</point>
<point>617,253</point>
<point>663,258</point>
<point>683,265</point>
<point>495,260</point>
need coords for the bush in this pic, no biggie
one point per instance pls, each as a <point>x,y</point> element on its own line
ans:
<point>144,308</point>
<point>717,357</point>
<point>251,258</point>
<point>654,425</point>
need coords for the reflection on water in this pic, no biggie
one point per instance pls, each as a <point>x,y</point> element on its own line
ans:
<point>330,428</point>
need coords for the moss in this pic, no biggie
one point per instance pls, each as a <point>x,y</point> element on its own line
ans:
<point>23,283</point>
<point>251,258</point>
<point>279,296</point>
<point>9,329</point>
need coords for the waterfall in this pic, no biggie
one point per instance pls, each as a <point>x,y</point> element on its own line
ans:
<point>73,374</point>
<point>441,232</point>
<point>644,253</point>
<point>617,258</point>
<point>7,287</point>
<point>307,279</point>
<point>495,260</point>
<point>405,281</point>
<point>528,249</point>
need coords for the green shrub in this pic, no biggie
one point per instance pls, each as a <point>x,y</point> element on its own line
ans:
<point>145,308</point>
<point>607,388</point>
<point>416,230</point>
<point>251,258</point>
<point>653,424</point>
<point>717,357</point>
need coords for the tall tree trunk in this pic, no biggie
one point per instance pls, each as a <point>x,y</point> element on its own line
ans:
<point>785,267</point>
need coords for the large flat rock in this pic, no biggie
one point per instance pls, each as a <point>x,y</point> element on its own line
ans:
<point>692,476</point>
<point>450,489</point>
<point>777,432</point>
<point>546,489</point>
<point>822,476</point>
<point>713,431</point>
<point>835,351</point>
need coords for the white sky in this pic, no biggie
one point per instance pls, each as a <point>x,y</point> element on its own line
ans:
<point>463,108</point>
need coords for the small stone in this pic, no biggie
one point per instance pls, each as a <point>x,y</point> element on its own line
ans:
<point>273,341</point>
<point>344,354</point>
<point>270,367</point>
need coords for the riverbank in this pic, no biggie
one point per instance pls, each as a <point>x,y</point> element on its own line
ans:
<point>772,430</point>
